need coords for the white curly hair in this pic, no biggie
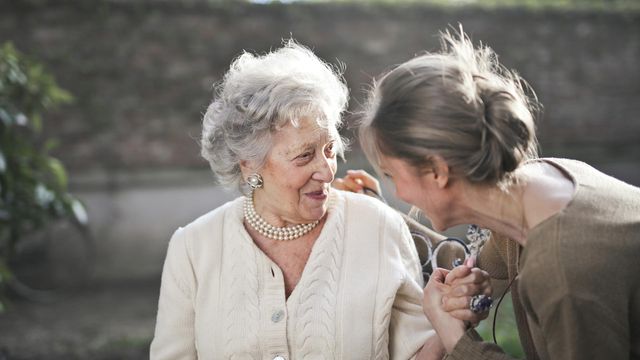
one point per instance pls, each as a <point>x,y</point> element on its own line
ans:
<point>259,95</point>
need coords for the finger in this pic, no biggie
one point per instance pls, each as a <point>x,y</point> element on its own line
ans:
<point>455,303</point>
<point>468,315</point>
<point>338,183</point>
<point>438,276</point>
<point>487,289</point>
<point>475,276</point>
<point>459,272</point>
<point>349,184</point>
<point>367,179</point>
<point>354,182</point>
<point>466,290</point>
<point>470,289</point>
<point>471,261</point>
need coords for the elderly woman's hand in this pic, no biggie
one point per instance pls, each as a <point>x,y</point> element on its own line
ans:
<point>448,328</point>
<point>356,181</point>
<point>465,282</point>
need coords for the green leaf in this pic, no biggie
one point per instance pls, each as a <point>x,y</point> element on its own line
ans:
<point>79,212</point>
<point>50,144</point>
<point>22,119</point>
<point>3,163</point>
<point>57,169</point>
<point>33,183</point>
<point>6,118</point>
<point>60,96</point>
<point>5,273</point>
<point>36,122</point>
<point>43,196</point>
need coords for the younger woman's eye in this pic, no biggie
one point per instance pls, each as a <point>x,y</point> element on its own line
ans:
<point>387,175</point>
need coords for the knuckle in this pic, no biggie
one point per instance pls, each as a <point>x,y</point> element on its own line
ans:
<point>463,289</point>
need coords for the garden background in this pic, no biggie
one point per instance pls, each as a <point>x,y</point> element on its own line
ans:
<point>141,75</point>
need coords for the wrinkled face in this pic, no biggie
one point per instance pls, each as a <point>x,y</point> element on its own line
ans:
<point>297,174</point>
<point>418,189</point>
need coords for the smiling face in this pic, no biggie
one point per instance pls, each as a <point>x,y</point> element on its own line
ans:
<point>297,174</point>
<point>429,190</point>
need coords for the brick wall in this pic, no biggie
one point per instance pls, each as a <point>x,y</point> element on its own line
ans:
<point>142,72</point>
<point>142,75</point>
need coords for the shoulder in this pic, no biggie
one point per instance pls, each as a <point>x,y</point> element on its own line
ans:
<point>369,218</point>
<point>367,207</point>
<point>208,229</point>
<point>214,217</point>
<point>585,175</point>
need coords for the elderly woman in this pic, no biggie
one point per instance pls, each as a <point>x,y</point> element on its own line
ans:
<point>294,269</point>
<point>455,133</point>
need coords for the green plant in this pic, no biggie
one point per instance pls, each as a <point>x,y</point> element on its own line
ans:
<point>506,328</point>
<point>33,184</point>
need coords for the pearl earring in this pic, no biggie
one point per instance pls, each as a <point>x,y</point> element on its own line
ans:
<point>255,181</point>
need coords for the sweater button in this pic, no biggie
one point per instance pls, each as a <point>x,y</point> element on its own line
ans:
<point>278,358</point>
<point>276,317</point>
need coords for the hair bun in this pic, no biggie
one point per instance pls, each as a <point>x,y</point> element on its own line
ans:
<point>459,104</point>
<point>508,134</point>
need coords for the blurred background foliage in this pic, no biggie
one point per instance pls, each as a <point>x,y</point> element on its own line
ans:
<point>33,184</point>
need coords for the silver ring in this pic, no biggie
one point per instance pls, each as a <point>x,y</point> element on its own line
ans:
<point>480,303</point>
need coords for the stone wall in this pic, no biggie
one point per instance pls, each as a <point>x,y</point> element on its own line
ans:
<point>142,74</point>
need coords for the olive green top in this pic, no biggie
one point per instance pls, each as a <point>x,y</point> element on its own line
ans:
<point>577,291</point>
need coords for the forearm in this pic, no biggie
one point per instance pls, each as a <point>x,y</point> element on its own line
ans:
<point>449,332</point>
<point>432,349</point>
<point>471,346</point>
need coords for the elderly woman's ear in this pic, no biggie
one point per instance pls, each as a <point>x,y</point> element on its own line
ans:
<point>247,168</point>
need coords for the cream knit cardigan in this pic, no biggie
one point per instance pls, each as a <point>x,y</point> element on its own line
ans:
<point>359,296</point>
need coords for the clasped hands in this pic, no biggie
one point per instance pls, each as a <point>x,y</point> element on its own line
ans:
<point>447,299</point>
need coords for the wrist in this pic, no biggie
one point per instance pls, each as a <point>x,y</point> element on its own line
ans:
<point>449,330</point>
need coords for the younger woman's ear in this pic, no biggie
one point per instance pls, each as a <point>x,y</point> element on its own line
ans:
<point>440,171</point>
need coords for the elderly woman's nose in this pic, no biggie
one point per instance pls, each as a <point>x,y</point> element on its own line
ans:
<point>325,170</point>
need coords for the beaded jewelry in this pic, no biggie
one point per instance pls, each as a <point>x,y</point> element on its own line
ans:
<point>262,226</point>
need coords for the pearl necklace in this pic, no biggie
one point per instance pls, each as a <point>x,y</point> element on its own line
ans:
<point>277,233</point>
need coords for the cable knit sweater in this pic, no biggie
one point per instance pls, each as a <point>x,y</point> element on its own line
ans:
<point>359,296</point>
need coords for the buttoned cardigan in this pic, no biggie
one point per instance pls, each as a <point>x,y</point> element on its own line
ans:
<point>359,296</point>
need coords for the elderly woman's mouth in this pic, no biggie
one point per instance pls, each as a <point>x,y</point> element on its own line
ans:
<point>317,195</point>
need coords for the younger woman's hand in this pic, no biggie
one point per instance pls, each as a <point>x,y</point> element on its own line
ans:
<point>356,180</point>
<point>465,282</point>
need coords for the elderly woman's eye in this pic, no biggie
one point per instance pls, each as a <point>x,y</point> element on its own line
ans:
<point>330,150</point>
<point>305,155</point>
